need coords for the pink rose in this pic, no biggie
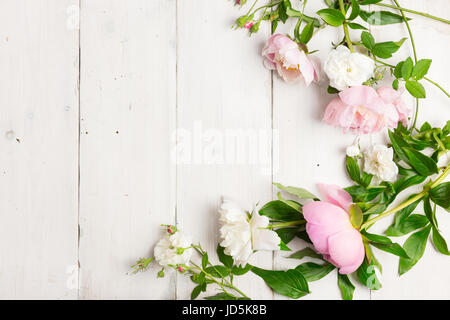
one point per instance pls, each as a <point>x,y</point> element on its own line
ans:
<point>329,228</point>
<point>389,95</point>
<point>248,25</point>
<point>284,55</point>
<point>361,110</point>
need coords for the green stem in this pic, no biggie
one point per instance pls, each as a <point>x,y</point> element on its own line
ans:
<point>419,196</point>
<point>345,26</point>
<point>414,12</point>
<point>411,38</point>
<point>437,85</point>
<point>287,224</point>
<point>251,8</point>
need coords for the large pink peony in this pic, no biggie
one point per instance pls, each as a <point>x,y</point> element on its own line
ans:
<point>389,95</point>
<point>329,228</point>
<point>361,110</point>
<point>284,55</point>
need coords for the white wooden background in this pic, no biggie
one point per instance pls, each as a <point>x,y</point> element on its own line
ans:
<point>88,156</point>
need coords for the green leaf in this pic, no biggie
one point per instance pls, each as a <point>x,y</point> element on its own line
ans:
<point>409,224</point>
<point>239,271</point>
<point>355,10</point>
<point>385,244</point>
<point>356,216</point>
<point>439,242</point>
<point>379,18</point>
<point>353,169</point>
<point>414,247</point>
<point>398,69</point>
<point>367,275</point>
<point>424,165</point>
<point>367,40</point>
<point>283,246</point>
<point>406,182</point>
<point>421,68</point>
<point>287,234</point>
<point>224,258</point>
<point>204,260</point>
<point>279,210</point>
<point>225,296</point>
<point>306,252</point>
<point>415,89</point>
<point>282,12</point>
<point>332,90</point>
<point>441,195</point>
<point>313,271</point>
<point>298,192</point>
<point>356,26</point>
<point>290,283</point>
<point>367,2</point>
<point>196,292</point>
<point>307,33</point>
<point>385,50</point>
<point>407,68</point>
<point>398,143</point>
<point>218,271</point>
<point>347,288</point>
<point>430,213</point>
<point>395,84</point>
<point>332,17</point>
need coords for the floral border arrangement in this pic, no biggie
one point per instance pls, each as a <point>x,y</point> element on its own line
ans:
<point>336,227</point>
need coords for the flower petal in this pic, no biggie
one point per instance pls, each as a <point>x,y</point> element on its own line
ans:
<point>359,96</point>
<point>346,249</point>
<point>336,195</point>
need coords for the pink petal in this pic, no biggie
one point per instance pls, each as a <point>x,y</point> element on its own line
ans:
<point>388,94</point>
<point>334,111</point>
<point>346,249</point>
<point>306,68</point>
<point>359,96</point>
<point>319,234</point>
<point>336,195</point>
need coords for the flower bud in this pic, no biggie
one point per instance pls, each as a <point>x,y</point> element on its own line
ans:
<point>254,28</point>
<point>181,269</point>
<point>241,21</point>
<point>160,274</point>
<point>248,25</point>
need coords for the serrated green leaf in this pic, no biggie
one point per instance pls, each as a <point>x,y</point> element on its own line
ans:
<point>367,40</point>
<point>407,68</point>
<point>416,89</point>
<point>421,68</point>
<point>385,50</point>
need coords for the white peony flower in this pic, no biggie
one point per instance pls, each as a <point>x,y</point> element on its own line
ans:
<point>346,69</point>
<point>172,249</point>
<point>241,234</point>
<point>378,161</point>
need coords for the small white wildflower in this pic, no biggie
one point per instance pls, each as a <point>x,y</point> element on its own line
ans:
<point>378,161</point>
<point>173,249</point>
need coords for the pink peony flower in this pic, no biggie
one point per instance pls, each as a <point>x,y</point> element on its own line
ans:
<point>284,55</point>
<point>361,110</point>
<point>391,96</point>
<point>329,228</point>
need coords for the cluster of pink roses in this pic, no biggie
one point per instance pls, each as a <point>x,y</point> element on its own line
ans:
<point>358,109</point>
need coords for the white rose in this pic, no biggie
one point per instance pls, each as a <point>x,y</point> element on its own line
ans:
<point>346,69</point>
<point>172,249</point>
<point>378,161</point>
<point>242,235</point>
